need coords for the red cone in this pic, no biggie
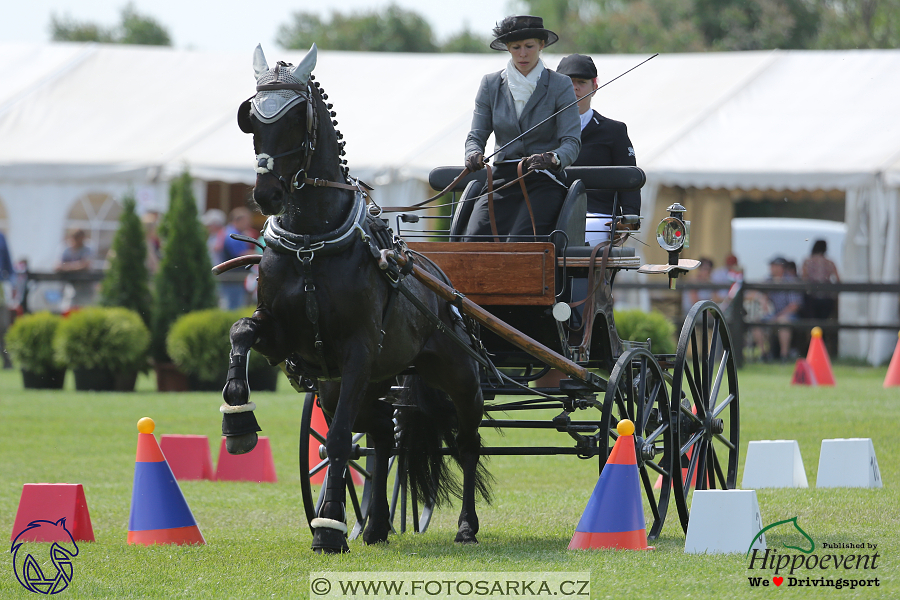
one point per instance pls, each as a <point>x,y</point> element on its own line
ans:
<point>803,374</point>
<point>893,373</point>
<point>817,357</point>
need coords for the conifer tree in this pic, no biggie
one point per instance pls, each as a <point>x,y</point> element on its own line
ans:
<point>184,282</point>
<point>126,282</point>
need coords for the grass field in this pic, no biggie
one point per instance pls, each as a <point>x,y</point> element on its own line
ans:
<point>258,542</point>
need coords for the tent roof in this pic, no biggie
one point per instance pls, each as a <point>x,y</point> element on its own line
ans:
<point>795,119</point>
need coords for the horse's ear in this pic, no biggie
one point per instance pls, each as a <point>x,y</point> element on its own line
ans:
<point>243,117</point>
<point>260,66</point>
<point>305,68</point>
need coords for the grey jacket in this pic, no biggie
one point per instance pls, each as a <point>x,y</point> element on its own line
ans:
<point>495,111</point>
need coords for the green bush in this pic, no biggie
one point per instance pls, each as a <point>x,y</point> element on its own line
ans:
<point>126,282</point>
<point>184,282</point>
<point>637,326</point>
<point>199,343</point>
<point>112,338</point>
<point>30,342</point>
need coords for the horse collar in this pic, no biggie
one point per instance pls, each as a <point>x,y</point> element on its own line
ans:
<point>287,242</point>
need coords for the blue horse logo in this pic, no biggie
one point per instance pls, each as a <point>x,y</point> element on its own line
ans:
<point>28,569</point>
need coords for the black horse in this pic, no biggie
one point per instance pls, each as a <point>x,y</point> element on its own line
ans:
<point>329,313</point>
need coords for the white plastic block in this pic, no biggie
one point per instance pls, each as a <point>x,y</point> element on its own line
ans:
<point>724,522</point>
<point>848,462</point>
<point>774,464</point>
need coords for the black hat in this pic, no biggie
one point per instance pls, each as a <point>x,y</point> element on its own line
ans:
<point>778,260</point>
<point>523,27</point>
<point>578,66</point>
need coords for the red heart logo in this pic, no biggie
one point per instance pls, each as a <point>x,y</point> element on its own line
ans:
<point>778,580</point>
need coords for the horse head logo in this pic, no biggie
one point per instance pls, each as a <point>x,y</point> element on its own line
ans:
<point>30,572</point>
<point>806,549</point>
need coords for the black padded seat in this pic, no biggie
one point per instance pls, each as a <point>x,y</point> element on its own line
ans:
<point>585,252</point>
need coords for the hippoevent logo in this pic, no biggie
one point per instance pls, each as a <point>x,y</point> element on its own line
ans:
<point>28,568</point>
<point>848,569</point>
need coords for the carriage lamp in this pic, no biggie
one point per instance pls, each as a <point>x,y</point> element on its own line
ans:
<point>673,234</point>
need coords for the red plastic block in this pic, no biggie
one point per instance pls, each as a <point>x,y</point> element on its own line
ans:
<point>51,502</point>
<point>257,465</point>
<point>187,455</point>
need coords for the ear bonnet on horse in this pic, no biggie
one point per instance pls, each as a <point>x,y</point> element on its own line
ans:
<point>277,89</point>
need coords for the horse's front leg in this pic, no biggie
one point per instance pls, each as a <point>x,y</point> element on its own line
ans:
<point>381,434</point>
<point>238,421</point>
<point>330,525</point>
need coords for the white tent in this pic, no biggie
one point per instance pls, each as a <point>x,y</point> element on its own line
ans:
<point>77,119</point>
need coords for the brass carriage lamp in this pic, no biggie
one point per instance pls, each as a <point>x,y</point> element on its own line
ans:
<point>673,234</point>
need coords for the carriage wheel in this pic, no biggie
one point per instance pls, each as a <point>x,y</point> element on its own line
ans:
<point>705,406</point>
<point>637,391</point>
<point>358,496</point>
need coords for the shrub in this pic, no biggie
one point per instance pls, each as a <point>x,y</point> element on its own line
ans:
<point>199,343</point>
<point>184,282</point>
<point>126,281</point>
<point>30,342</point>
<point>637,325</point>
<point>103,338</point>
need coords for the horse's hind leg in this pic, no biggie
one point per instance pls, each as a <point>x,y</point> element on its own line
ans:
<point>238,422</point>
<point>381,435</point>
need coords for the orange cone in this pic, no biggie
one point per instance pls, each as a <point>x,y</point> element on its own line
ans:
<point>159,512</point>
<point>614,516</point>
<point>817,357</point>
<point>893,374</point>
<point>803,373</point>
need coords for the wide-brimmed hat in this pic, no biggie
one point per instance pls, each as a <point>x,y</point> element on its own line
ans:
<point>522,27</point>
<point>578,66</point>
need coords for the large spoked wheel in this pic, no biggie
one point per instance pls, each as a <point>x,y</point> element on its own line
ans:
<point>705,407</point>
<point>637,391</point>
<point>313,463</point>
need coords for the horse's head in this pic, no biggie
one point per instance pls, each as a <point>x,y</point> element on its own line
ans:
<point>282,118</point>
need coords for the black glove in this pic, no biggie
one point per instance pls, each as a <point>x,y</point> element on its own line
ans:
<point>540,161</point>
<point>475,161</point>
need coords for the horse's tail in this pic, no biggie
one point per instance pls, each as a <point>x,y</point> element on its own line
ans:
<point>428,423</point>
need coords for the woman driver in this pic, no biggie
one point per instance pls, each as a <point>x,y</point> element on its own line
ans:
<point>508,103</point>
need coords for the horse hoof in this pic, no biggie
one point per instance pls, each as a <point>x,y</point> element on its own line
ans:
<point>465,535</point>
<point>240,444</point>
<point>329,541</point>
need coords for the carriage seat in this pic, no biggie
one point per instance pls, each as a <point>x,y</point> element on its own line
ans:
<point>573,213</point>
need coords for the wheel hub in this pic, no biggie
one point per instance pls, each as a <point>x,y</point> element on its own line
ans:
<point>716,426</point>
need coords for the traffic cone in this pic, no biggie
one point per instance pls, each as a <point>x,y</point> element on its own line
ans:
<point>893,373</point>
<point>803,373</point>
<point>817,357</point>
<point>317,422</point>
<point>159,512</point>
<point>614,516</point>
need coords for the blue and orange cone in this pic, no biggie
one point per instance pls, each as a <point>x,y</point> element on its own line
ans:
<point>614,516</point>
<point>159,512</point>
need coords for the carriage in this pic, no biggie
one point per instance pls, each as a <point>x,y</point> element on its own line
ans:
<point>515,311</point>
<point>528,286</point>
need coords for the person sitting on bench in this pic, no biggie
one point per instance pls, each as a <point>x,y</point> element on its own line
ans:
<point>508,103</point>
<point>604,142</point>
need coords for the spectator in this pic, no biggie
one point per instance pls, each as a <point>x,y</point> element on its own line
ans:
<point>785,308</point>
<point>703,274</point>
<point>233,292</point>
<point>819,269</point>
<point>6,275</point>
<point>150,221</point>
<point>214,220</point>
<point>77,256</point>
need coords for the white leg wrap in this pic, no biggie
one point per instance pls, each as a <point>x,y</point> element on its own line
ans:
<point>227,409</point>
<point>328,524</point>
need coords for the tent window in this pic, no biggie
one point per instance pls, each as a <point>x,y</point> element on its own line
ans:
<point>98,215</point>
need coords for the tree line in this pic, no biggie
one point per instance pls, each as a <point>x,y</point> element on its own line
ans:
<point>585,26</point>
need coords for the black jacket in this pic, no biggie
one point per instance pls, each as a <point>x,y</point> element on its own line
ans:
<point>604,143</point>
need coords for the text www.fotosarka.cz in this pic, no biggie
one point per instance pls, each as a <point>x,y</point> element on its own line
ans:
<point>509,585</point>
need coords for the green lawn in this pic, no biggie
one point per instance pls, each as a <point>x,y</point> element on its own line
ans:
<point>258,541</point>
